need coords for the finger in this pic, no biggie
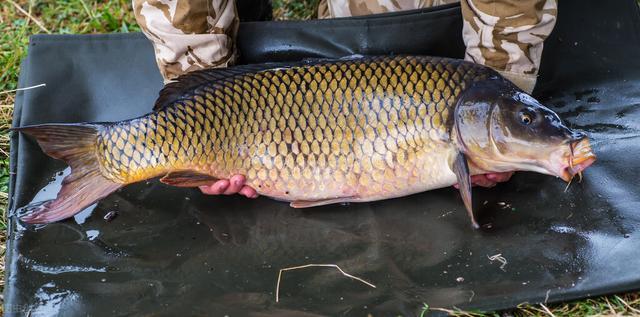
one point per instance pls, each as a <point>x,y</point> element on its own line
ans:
<point>499,177</point>
<point>481,180</point>
<point>478,180</point>
<point>248,192</point>
<point>217,188</point>
<point>235,184</point>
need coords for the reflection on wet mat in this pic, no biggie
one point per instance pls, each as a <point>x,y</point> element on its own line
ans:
<point>171,251</point>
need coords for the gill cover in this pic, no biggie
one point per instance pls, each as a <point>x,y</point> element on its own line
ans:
<point>474,118</point>
<point>471,120</point>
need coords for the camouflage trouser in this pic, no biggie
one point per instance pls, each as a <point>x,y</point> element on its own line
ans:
<point>348,8</point>
<point>189,34</point>
<point>506,35</point>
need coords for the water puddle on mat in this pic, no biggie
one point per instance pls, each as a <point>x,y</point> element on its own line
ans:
<point>52,300</point>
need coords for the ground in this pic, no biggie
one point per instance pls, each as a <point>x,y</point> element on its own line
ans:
<point>21,18</point>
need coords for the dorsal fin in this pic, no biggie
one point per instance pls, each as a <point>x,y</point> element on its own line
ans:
<point>183,84</point>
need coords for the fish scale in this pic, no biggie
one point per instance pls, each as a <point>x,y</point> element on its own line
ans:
<point>359,129</point>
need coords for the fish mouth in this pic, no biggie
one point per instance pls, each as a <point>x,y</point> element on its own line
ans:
<point>580,157</point>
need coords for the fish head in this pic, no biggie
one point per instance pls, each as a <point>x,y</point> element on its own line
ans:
<point>500,128</point>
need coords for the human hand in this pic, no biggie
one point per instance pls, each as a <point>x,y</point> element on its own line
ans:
<point>489,180</point>
<point>233,185</point>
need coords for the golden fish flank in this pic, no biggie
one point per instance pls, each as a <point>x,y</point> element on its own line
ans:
<point>331,127</point>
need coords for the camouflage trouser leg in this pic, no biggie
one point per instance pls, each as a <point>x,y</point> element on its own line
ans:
<point>506,35</point>
<point>189,34</point>
<point>348,8</point>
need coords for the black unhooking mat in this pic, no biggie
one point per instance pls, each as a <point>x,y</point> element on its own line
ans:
<point>176,252</point>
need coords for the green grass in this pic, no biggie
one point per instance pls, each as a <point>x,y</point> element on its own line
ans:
<point>295,9</point>
<point>90,16</point>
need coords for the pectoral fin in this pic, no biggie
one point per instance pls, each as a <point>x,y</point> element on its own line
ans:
<point>314,203</point>
<point>461,169</point>
<point>187,179</point>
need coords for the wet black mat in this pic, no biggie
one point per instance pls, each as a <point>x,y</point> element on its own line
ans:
<point>176,252</point>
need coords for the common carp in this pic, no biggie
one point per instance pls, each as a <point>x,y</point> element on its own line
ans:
<point>319,132</point>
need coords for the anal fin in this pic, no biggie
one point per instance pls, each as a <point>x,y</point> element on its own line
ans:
<point>321,202</point>
<point>187,179</point>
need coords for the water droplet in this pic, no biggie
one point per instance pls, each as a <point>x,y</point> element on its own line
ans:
<point>103,280</point>
<point>92,234</point>
<point>593,99</point>
<point>460,279</point>
<point>112,269</point>
<point>110,216</point>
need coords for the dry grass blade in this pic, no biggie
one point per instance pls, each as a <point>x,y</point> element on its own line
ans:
<point>546,296</point>
<point>458,312</point>
<point>316,265</point>
<point>546,310</point>
<point>498,257</point>
<point>636,311</point>
<point>531,310</point>
<point>86,9</point>
<point>22,89</point>
<point>19,8</point>
<point>613,311</point>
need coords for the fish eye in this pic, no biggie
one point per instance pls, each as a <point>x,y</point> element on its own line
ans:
<point>526,118</point>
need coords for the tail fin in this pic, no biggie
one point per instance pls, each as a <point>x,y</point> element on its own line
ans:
<point>76,144</point>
